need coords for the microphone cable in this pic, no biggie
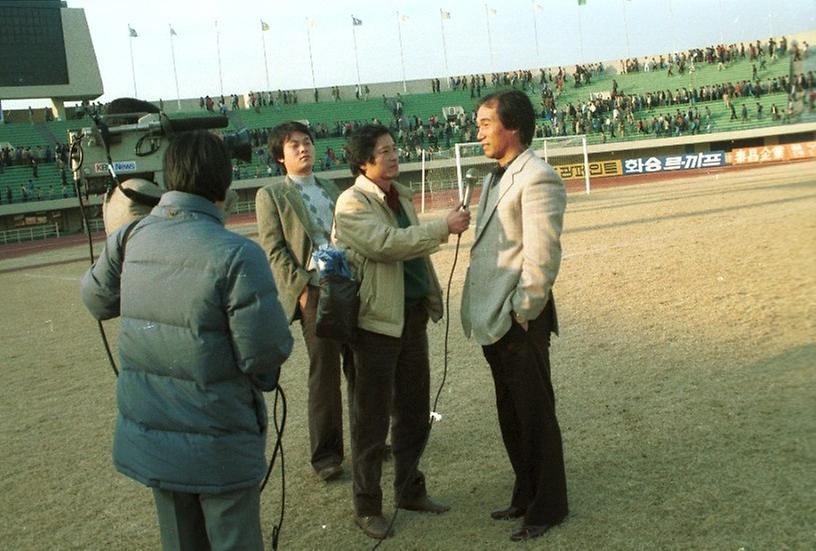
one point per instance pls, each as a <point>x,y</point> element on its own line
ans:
<point>279,428</point>
<point>438,392</point>
<point>76,152</point>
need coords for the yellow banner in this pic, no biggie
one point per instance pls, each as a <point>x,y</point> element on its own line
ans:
<point>597,169</point>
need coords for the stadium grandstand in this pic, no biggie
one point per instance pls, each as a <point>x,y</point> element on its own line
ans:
<point>746,94</point>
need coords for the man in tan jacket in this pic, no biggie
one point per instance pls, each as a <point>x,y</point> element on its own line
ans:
<point>508,306</point>
<point>388,248</point>
<point>295,218</point>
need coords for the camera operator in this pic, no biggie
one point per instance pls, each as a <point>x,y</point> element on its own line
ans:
<point>202,335</point>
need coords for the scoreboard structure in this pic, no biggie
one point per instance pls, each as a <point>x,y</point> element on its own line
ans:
<point>46,52</point>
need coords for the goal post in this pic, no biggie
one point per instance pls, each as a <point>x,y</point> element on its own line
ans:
<point>568,155</point>
<point>445,171</point>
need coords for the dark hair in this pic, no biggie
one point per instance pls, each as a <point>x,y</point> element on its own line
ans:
<point>281,133</point>
<point>361,143</point>
<point>198,162</point>
<point>515,112</point>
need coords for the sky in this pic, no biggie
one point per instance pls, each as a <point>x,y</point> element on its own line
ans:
<point>522,34</point>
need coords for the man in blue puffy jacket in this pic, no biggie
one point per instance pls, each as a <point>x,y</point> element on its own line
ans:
<point>202,335</point>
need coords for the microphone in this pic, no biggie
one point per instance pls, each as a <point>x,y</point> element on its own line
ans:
<point>471,181</point>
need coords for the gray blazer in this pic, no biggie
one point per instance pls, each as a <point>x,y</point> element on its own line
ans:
<point>516,251</point>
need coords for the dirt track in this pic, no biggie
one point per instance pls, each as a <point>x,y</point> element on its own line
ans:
<point>684,376</point>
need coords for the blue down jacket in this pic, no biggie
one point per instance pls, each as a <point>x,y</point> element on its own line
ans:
<point>202,334</point>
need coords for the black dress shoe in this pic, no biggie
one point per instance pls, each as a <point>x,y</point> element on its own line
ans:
<point>374,526</point>
<point>423,504</point>
<point>330,473</point>
<point>526,532</point>
<point>507,514</point>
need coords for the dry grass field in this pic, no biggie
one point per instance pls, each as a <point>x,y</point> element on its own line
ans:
<point>685,376</point>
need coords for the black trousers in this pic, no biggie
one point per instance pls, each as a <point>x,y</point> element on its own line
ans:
<point>325,400</point>
<point>520,363</point>
<point>389,379</point>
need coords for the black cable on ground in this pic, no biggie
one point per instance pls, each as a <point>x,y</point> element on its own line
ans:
<point>279,428</point>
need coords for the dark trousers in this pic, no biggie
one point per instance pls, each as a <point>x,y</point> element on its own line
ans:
<point>520,363</point>
<point>389,379</point>
<point>200,522</point>
<point>325,400</point>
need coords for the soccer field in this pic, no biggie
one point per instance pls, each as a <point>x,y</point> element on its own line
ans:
<point>685,379</point>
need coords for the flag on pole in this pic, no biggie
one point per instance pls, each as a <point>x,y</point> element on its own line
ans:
<point>492,11</point>
<point>582,2</point>
<point>356,22</point>
<point>264,25</point>
<point>538,6</point>
<point>404,18</point>
<point>444,14</point>
<point>173,31</point>
<point>310,23</point>
<point>132,32</point>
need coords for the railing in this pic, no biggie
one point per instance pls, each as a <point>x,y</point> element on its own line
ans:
<point>96,224</point>
<point>29,233</point>
<point>244,206</point>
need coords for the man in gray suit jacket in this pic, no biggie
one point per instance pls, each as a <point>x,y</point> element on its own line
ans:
<point>294,218</point>
<point>508,306</point>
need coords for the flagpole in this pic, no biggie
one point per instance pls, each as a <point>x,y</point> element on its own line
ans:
<point>266,63</point>
<point>535,29</point>
<point>671,22</point>
<point>175,74</point>
<point>580,36</point>
<point>626,29</point>
<point>309,40</point>
<point>356,60</point>
<point>132,65</point>
<point>402,56</point>
<point>722,40</point>
<point>444,48</point>
<point>489,40</point>
<point>218,55</point>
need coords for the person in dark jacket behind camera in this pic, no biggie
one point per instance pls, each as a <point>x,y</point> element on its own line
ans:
<point>202,335</point>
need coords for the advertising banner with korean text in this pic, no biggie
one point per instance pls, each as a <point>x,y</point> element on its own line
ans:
<point>597,169</point>
<point>769,153</point>
<point>647,165</point>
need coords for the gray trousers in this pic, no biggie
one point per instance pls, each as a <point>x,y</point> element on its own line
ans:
<point>325,399</point>
<point>217,522</point>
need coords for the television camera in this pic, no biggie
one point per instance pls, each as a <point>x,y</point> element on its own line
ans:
<point>121,156</point>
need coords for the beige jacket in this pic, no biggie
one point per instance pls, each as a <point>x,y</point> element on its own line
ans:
<point>516,251</point>
<point>376,246</point>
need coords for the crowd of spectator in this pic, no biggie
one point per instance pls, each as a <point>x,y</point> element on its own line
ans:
<point>672,111</point>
